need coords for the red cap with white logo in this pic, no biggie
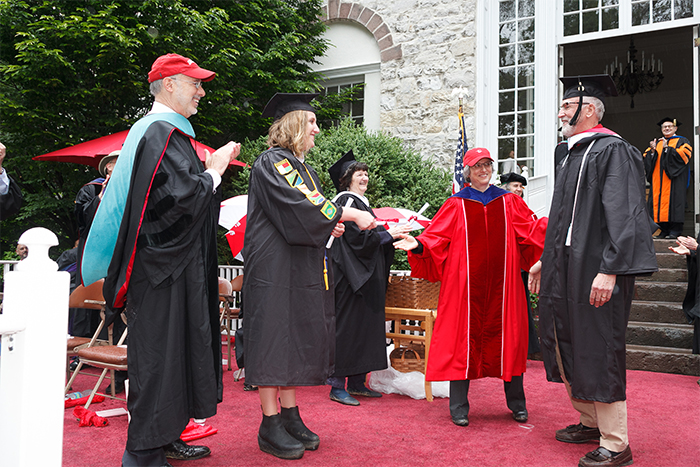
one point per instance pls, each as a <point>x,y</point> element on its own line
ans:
<point>474,155</point>
<point>174,64</point>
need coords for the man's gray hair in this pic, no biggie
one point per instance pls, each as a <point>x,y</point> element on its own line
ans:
<point>156,87</point>
<point>599,107</point>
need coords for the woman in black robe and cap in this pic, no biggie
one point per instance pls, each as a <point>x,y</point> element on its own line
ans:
<point>361,262</point>
<point>288,286</point>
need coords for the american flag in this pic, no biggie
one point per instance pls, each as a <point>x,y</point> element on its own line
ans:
<point>458,176</point>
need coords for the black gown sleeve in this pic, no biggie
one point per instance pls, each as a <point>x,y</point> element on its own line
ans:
<point>10,202</point>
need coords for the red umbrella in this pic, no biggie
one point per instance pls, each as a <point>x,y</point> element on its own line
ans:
<point>91,152</point>
<point>233,217</point>
<point>400,216</point>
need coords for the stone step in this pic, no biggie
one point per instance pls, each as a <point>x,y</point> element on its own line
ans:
<point>661,245</point>
<point>658,359</point>
<point>660,291</point>
<point>678,336</point>
<point>657,312</point>
<point>663,360</point>
<point>670,261</point>
<point>666,275</point>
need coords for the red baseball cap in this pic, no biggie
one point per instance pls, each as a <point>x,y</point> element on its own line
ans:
<point>174,64</point>
<point>474,155</point>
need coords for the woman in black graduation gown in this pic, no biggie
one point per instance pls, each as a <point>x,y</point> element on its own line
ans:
<point>288,286</point>
<point>361,262</point>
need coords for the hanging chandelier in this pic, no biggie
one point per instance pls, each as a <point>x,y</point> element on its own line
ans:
<point>634,78</point>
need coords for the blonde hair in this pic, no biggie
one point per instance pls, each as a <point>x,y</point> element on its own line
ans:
<point>289,131</point>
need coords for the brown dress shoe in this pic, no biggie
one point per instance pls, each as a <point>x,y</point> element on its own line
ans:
<point>601,457</point>
<point>578,434</point>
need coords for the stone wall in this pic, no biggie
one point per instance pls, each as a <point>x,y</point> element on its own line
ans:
<point>427,50</point>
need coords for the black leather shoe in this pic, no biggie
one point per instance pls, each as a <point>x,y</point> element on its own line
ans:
<point>274,439</point>
<point>183,451</point>
<point>295,426</point>
<point>118,388</point>
<point>460,420</point>
<point>520,416</point>
<point>578,434</point>
<point>601,457</point>
<point>364,392</point>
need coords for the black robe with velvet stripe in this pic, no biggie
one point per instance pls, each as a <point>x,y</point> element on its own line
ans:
<point>361,264</point>
<point>164,266</point>
<point>610,235</point>
<point>288,285</point>
<point>667,171</point>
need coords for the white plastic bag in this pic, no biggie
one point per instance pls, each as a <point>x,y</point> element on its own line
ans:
<point>412,384</point>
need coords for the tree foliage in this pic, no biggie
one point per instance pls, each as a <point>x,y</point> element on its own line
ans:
<point>74,70</point>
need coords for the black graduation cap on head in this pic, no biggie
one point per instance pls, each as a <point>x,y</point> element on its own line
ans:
<point>337,170</point>
<point>669,119</point>
<point>513,177</point>
<point>599,86</point>
<point>282,103</point>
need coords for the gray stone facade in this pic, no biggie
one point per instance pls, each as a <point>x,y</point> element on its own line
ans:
<point>428,49</point>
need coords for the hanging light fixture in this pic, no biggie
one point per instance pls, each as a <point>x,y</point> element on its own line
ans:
<point>634,78</point>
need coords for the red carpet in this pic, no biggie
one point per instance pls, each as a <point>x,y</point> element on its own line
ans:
<point>664,426</point>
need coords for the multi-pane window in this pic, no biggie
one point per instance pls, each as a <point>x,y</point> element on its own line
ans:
<point>582,16</point>
<point>516,85</point>
<point>355,108</point>
<point>656,11</point>
<point>585,16</point>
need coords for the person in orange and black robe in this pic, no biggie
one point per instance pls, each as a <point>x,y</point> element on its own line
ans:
<point>667,167</point>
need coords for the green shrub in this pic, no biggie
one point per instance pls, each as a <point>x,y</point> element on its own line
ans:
<point>398,175</point>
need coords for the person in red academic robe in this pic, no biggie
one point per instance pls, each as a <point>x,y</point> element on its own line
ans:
<point>476,245</point>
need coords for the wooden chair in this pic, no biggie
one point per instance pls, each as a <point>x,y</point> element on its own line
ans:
<point>108,357</point>
<point>89,297</point>
<point>227,313</point>
<point>411,303</point>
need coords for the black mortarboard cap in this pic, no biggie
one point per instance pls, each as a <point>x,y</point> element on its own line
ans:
<point>283,103</point>
<point>513,177</point>
<point>600,86</point>
<point>337,170</point>
<point>669,119</point>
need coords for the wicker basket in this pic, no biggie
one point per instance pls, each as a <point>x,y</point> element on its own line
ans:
<point>411,292</point>
<point>407,359</point>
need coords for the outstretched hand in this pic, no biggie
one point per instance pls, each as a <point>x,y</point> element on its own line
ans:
<point>407,243</point>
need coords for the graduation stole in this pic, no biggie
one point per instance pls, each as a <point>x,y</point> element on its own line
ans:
<point>295,180</point>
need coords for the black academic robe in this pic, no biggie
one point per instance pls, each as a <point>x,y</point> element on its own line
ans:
<point>164,270</point>
<point>610,235</point>
<point>361,263</point>
<point>86,202</point>
<point>667,171</point>
<point>691,303</point>
<point>288,285</point>
<point>11,201</point>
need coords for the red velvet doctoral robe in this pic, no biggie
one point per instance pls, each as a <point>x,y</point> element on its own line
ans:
<point>476,245</point>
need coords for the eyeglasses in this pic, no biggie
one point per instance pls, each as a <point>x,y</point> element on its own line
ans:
<point>196,84</point>
<point>567,105</point>
<point>482,165</point>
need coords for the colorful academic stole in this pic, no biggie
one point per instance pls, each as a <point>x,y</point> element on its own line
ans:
<point>293,177</point>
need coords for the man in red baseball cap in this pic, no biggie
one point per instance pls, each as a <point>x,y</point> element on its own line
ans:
<point>155,228</point>
<point>174,64</point>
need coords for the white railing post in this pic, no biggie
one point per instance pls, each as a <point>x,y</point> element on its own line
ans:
<point>33,323</point>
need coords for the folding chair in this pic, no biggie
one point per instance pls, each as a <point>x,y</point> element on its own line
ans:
<point>228,314</point>
<point>89,297</point>
<point>108,357</point>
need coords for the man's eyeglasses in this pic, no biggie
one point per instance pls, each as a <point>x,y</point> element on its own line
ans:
<point>567,105</point>
<point>196,84</point>
<point>482,165</point>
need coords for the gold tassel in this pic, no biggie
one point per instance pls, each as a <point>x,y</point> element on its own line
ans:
<point>325,271</point>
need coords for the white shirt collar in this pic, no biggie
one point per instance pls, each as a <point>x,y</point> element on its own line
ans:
<point>159,108</point>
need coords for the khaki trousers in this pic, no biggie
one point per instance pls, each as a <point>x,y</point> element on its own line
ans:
<point>611,419</point>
